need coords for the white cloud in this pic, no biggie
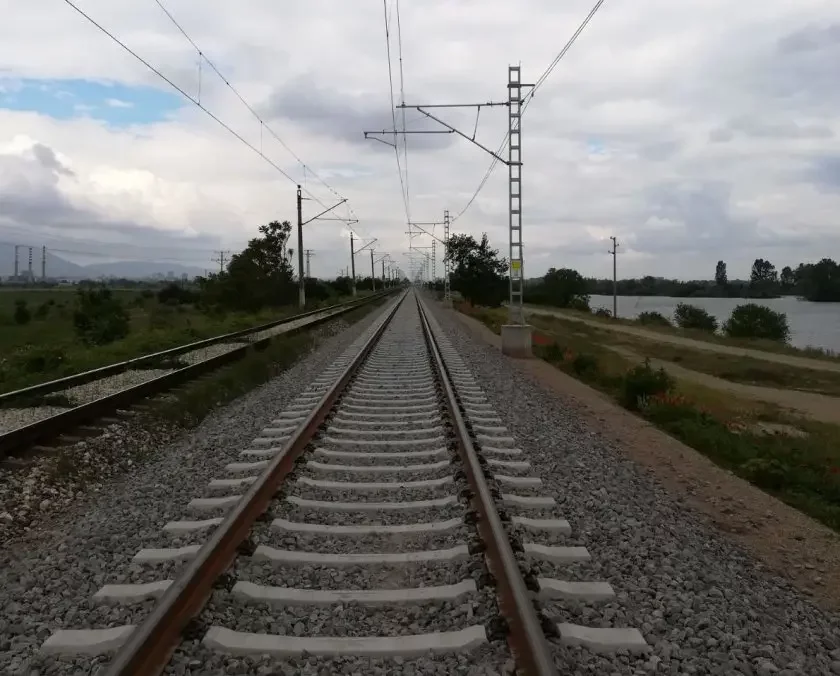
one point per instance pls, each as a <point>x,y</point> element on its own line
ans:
<point>717,124</point>
<point>117,103</point>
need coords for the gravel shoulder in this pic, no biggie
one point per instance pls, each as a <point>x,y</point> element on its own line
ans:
<point>791,360</point>
<point>50,572</point>
<point>720,577</point>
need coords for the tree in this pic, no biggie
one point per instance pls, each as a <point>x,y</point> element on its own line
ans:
<point>757,321</point>
<point>477,272</point>
<point>99,318</point>
<point>820,282</point>
<point>787,279</point>
<point>260,276</point>
<point>762,272</point>
<point>720,274</point>
<point>564,288</point>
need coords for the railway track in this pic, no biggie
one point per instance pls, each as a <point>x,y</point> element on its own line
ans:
<point>385,521</point>
<point>133,380</point>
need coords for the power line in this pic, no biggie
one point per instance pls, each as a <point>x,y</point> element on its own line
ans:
<point>527,99</point>
<point>187,96</point>
<point>250,108</point>
<point>402,101</point>
<point>393,110</point>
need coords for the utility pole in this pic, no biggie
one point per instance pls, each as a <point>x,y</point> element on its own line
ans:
<point>301,279</point>
<point>17,265</point>
<point>447,291</point>
<point>31,276</point>
<point>615,281</point>
<point>372,273</point>
<point>44,263</point>
<point>516,336</point>
<point>301,223</point>
<point>222,260</point>
<point>309,253</point>
<point>353,263</point>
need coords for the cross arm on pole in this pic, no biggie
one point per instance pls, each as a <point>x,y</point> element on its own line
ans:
<point>327,210</point>
<point>369,244</point>
<point>460,133</point>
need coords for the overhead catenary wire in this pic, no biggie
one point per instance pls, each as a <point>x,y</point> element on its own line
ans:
<point>187,96</point>
<point>256,115</point>
<point>526,100</point>
<point>402,110</point>
<point>393,109</point>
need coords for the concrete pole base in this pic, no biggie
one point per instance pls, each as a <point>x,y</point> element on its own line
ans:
<point>516,340</point>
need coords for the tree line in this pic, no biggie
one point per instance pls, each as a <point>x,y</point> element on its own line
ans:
<point>818,282</point>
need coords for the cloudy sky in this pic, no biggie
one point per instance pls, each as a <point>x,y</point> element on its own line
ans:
<point>691,130</point>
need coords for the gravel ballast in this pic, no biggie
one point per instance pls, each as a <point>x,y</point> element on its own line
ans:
<point>704,605</point>
<point>49,576</point>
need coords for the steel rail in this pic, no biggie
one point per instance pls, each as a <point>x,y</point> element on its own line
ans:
<point>59,423</point>
<point>150,646</point>
<point>112,369</point>
<point>526,638</point>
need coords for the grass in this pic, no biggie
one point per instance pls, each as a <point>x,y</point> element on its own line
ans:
<point>801,468</point>
<point>46,348</point>
<point>735,368</point>
<point>704,336</point>
<point>189,405</point>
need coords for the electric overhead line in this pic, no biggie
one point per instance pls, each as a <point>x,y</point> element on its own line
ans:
<point>393,110</point>
<point>186,95</point>
<point>527,99</point>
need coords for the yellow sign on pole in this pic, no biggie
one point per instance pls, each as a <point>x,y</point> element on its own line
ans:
<point>515,269</point>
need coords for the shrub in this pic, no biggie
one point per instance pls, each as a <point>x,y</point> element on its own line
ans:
<point>22,314</point>
<point>692,317</point>
<point>43,359</point>
<point>757,321</point>
<point>766,472</point>
<point>642,382</point>
<point>653,319</point>
<point>580,303</point>
<point>603,312</point>
<point>42,311</point>
<point>175,294</point>
<point>585,364</point>
<point>99,318</point>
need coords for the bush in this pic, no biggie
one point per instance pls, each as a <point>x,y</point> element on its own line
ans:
<point>43,359</point>
<point>642,382</point>
<point>580,303</point>
<point>757,321</point>
<point>585,365</point>
<point>99,318</point>
<point>653,319</point>
<point>175,294</point>
<point>692,317</point>
<point>22,314</point>
<point>767,473</point>
<point>42,311</point>
<point>603,312</point>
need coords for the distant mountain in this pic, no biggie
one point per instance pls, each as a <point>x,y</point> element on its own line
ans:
<point>140,269</point>
<point>60,268</point>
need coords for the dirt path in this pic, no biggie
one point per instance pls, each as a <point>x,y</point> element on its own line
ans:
<point>784,539</point>
<point>815,406</point>
<point>791,360</point>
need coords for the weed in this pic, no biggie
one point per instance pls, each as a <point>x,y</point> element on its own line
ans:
<point>642,382</point>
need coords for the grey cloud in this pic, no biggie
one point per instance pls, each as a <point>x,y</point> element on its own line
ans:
<point>345,116</point>
<point>47,157</point>
<point>720,135</point>
<point>825,173</point>
<point>761,128</point>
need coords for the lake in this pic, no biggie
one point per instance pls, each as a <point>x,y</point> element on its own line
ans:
<point>811,324</point>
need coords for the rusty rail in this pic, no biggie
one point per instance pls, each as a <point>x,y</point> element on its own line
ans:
<point>526,638</point>
<point>151,645</point>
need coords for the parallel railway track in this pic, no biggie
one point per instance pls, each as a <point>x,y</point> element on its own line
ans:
<point>233,346</point>
<point>386,515</point>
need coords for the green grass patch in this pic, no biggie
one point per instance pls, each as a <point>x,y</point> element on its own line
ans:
<point>796,460</point>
